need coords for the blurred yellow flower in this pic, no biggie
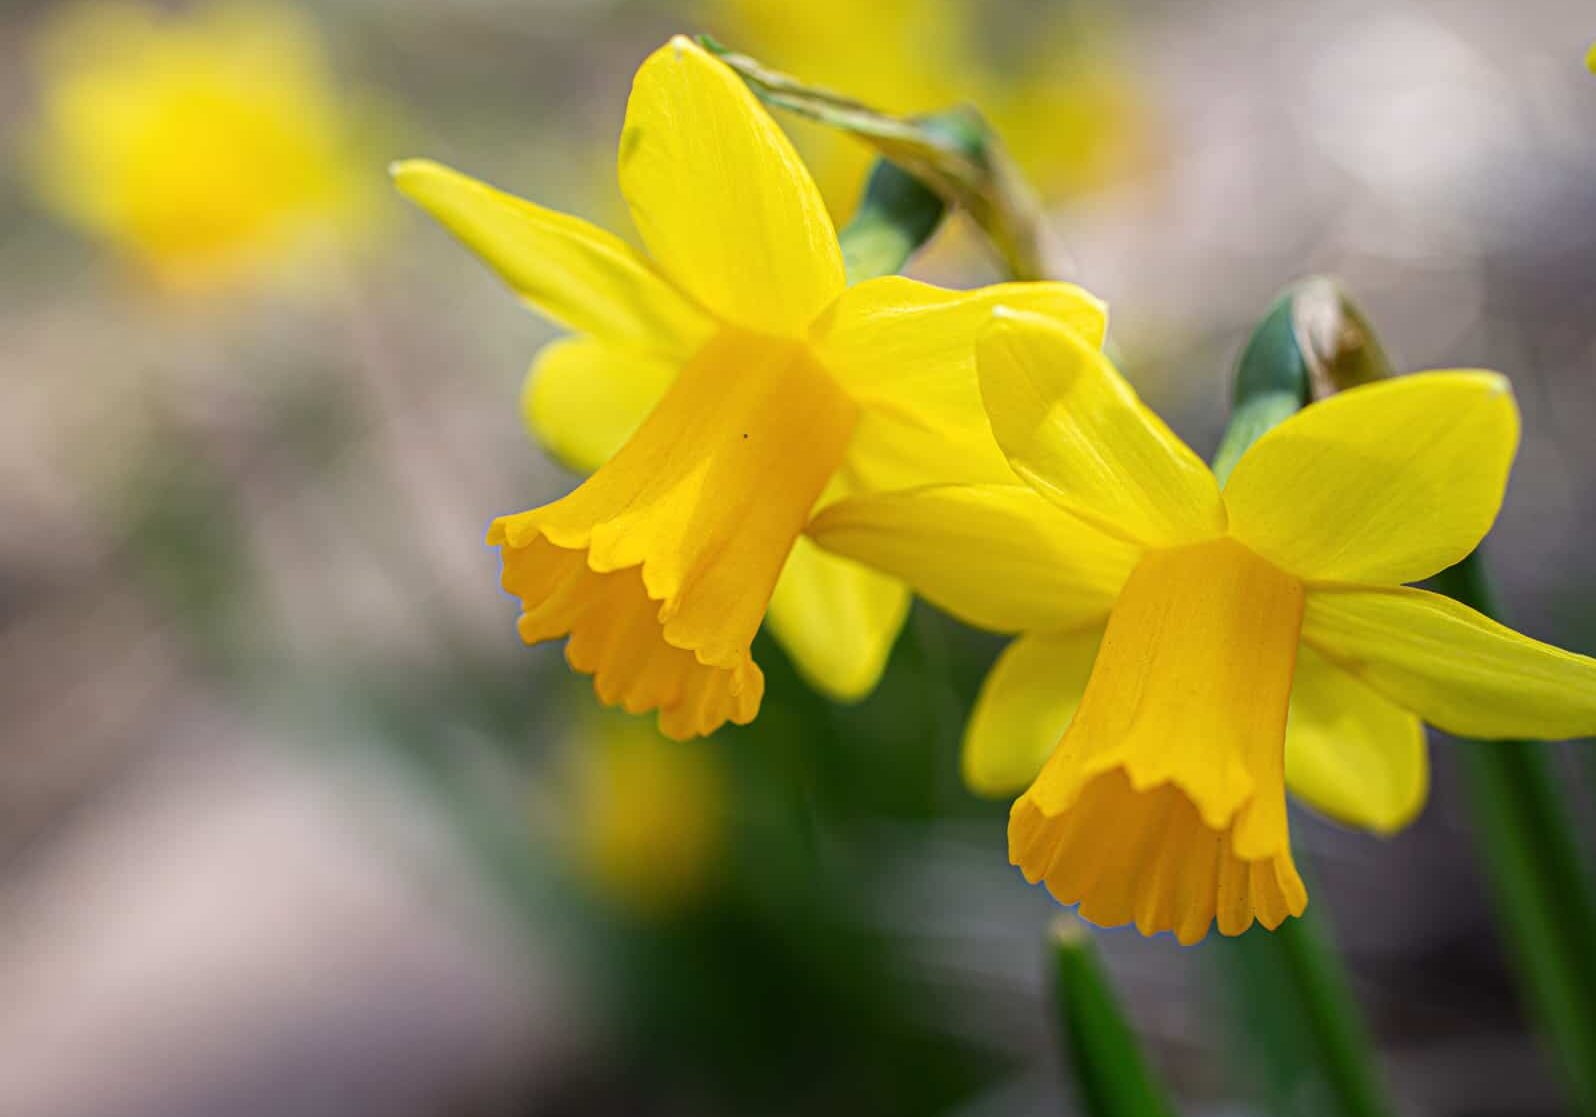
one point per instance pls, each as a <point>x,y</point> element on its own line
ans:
<point>1169,627</point>
<point>722,386</point>
<point>205,146</point>
<point>1044,75</point>
<point>648,814</point>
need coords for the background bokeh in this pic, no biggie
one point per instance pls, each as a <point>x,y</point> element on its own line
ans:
<point>290,821</point>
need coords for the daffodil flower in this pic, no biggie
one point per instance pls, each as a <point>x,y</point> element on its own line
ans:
<point>1198,648</point>
<point>205,146</point>
<point>646,818</point>
<point>727,382</point>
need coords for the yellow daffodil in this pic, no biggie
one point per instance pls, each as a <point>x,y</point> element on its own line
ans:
<point>727,382</point>
<point>648,815</point>
<point>1169,627</point>
<point>1049,87</point>
<point>202,146</point>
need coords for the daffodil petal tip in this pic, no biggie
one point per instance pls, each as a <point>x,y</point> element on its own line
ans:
<point>407,172</point>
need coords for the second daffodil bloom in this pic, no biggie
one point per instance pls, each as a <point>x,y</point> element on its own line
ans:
<point>1200,649</point>
<point>723,385</point>
<point>647,816</point>
<point>206,146</point>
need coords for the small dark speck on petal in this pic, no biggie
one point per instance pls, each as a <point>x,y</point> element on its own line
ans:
<point>745,434</point>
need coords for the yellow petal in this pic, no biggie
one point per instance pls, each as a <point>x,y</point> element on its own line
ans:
<point>837,619</point>
<point>576,273</point>
<point>906,353</point>
<point>995,556</point>
<point>1386,483</point>
<point>675,544</point>
<point>1074,429</point>
<point>1025,705</point>
<point>1352,753</point>
<point>721,199</point>
<point>1456,669</point>
<point>1164,802</point>
<point>584,397</point>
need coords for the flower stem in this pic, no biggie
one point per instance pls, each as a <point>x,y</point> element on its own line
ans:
<point>1347,1057</point>
<point>1110,1074</point>
<point>1533,859</point>
<point>1311,342</point>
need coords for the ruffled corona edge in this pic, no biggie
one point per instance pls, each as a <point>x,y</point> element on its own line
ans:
<point>616,635</point>
<point>1164,804</point>
<point>1148,858</point>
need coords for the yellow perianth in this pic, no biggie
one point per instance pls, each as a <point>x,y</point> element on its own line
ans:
<point>1164,802</point>
<point>659,567</point>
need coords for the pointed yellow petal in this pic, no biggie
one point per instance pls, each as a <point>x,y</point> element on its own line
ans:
<point>837,619</point>
<point>1352,753</point>
<point>1164,802</point>
<point>906,353</point>
<point>584,397</point>
<point>1074,429</point>
<point>1025,705</point>
<point>1386,483</point>
<point>1456,669</point>
<point>995,556</point>
<point>576,273</point>
<point>675,543</point>
<point>721,199</point>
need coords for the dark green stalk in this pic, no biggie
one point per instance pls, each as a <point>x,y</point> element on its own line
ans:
<point>1334,1025</point>
<point>1110,1074</point>
<point>1528,842</point>
<point>1529,845</point>
<point>1310,343</point>
<point>1532,855</point>
<point>897,215</point>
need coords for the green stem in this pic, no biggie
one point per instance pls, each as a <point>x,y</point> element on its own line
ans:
<point>897,215</point>
<point>1278,374</point>
<point>1346,1055</point>
<point>1112,1077</point>
<point>1533,858</point>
